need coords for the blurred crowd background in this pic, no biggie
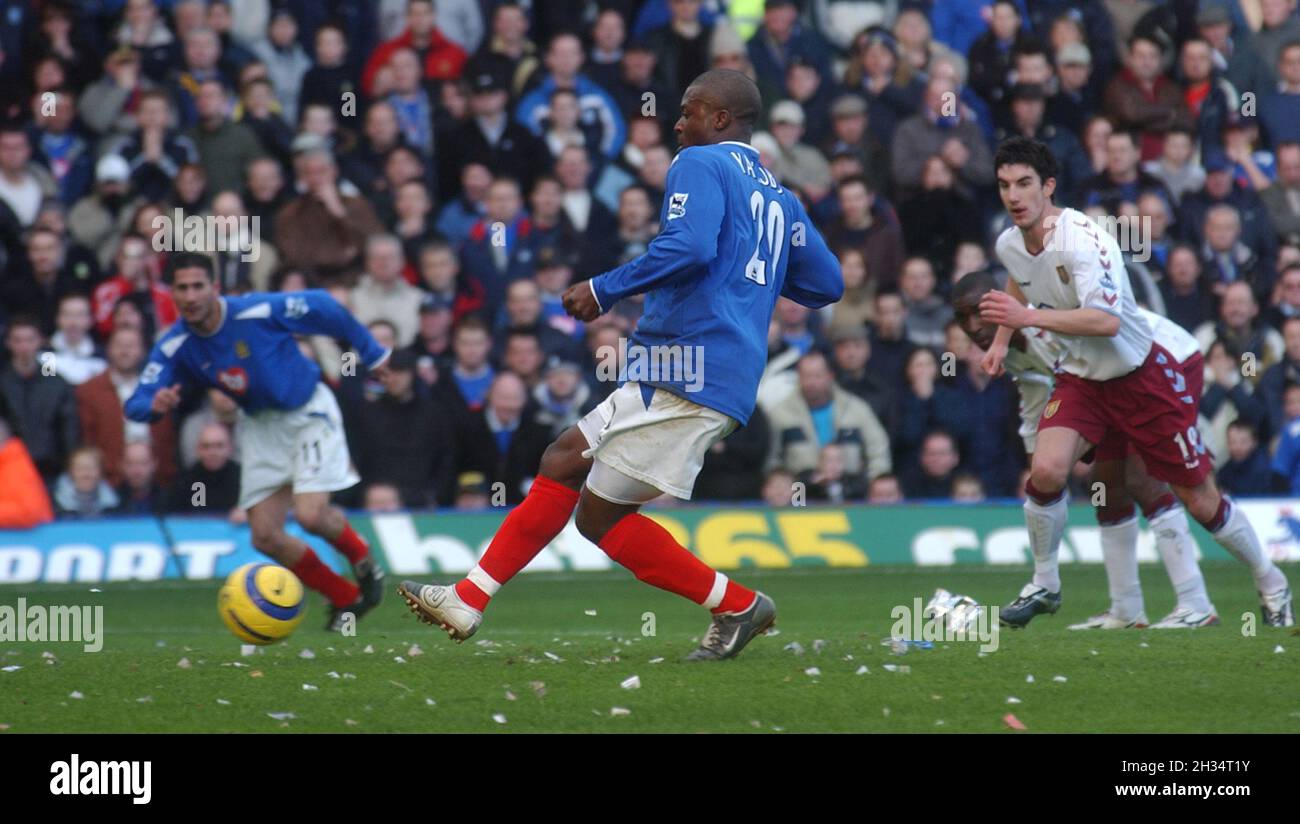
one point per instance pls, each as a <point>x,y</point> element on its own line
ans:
<point>446,169</point>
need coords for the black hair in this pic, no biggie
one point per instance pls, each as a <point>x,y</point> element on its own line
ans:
<point>1025,150</point>
<point>974,285</point>
<point>188,260</point>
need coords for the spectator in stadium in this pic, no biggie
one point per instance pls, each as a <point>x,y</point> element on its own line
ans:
<point>438,57</point>
<point>100,219</point>
<point>561,397</point>
<point>967,488</point>
<point>867,222</point>
<point>1286,459</point>
<point>1278,25</point>
<point>872,74</point>
<point>1279,108</point>
<point>1286,297</point>
<point>850,135</point>
<point>1074,100</point>
<point>225,148</point>
<point>59,144</point>
<point>382,497</point>
<point>1228,392</point>
<point>992,53</point>
<point>261,114</point>
<point>211,485</point>
<point>1243,66</point>
<point>412,101</point>
<point>927,312</point>
<point>473,492</point>
<point>43,407</point>
<point>110,105</point>
<point>1116,189</point>
<point>497,252</point>
<point>858,306</point>
<point>1176,167</point>
<point>77,356</point>
<point>457,218</point>
<point>1207,96</point>
<point>936,220</point>
<point>778,487</point>
<point>1225,259</point>
<point>524,312</point>
<point>782,38</point>
<point>1275,379</point>
<point>200,63</point>
<point>681,47</point>
<point>564,58</point>
<point>829,481</point>
<point>804,86</point>
<point>99,408</point>
<point>82,491</point>
<point>503,440</point>
<point>36,282</point>
<point>1221,187</point>
<point>1282,197</point>
<point>890,347</point>
<point>471,373</point>
<point>928,401</point>
<point>215,407</point>
<point>1247,470</point>
<point>286,62</point>
<point>1187,296</point>
<point>799,165</point>
<point>322,228</point>
<point>133,282</point>
<point>382,293</point>
<point>156,150</point>
<point>406,439</point>
<point>947,129</point>
<point>885,490</point>
<point>820,413</point>
<point>522,355</point>
<point>1242,331</point>
<point>932,477</point>
<point>363,164</point>
<point>139,492</point>
<point>1144,100</point>
<point>851,350</point>
<point>491,136</point>
<point>608,34</point>
<point>333,74</point>
<point>26,503</point>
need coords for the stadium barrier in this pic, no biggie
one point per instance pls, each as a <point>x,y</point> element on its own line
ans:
<point>448,543</point>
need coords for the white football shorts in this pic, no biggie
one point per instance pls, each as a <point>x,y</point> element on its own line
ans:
<point>305,447</point>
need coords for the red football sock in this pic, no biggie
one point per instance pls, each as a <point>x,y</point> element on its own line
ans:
<point>525,532</point>
<point>352,545</point>
<point>313,572</point>
<point>654,556</point>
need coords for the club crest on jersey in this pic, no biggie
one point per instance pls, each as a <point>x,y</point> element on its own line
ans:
<point>241,349</point>
<point>1063,274</point>
<point>677,205</point>
<point>1052,406</point>
<point>234,379</point>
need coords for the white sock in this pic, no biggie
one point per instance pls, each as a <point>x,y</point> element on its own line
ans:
<point>1046,528</point>
<point>1238,537</point>
<point>1119,554</point>
<point>1177,549</point>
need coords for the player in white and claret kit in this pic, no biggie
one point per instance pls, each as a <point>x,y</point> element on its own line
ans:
<point>1031,360</point>
<point>1112,377</point>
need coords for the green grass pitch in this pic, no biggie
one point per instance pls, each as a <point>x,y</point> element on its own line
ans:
<point>504,680</point>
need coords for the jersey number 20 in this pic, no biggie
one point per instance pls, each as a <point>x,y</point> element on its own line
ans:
<point>756,269</point>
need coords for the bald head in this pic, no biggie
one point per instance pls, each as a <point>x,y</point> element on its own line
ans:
<point>719,105</point>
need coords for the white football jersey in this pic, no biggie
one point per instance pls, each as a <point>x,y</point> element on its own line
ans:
<point>1176,340</point>
<point>1081,267</point>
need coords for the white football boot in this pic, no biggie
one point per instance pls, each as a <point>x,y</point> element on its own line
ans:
<point>1187,618</point>
<point>440,605</point>
<point>1108,621</point>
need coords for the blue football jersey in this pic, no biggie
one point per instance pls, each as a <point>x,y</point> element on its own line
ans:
<point>253,356</point>
<point>731,241</point>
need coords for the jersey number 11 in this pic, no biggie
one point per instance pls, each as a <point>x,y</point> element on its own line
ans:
<point>756,269</point>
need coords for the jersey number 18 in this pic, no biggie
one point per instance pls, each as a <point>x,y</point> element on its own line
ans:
<point>756,269</point>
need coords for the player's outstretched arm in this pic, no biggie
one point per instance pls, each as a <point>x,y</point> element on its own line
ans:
<point>316,312</point>
<point>688,237</point>
<point>813,277</point>
<point>159,390</point>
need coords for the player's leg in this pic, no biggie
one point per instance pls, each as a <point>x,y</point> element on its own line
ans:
<point>266,522</point>
<point>317,515</point>
<point>1176,546</point>
<point>1230,528</point>
<point>526,531</point>
<point>1117,520</point>
<point>608,517</point>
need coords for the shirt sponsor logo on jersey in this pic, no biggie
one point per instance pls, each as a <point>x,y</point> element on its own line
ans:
<point>677,205</point>
<point>234,379</point>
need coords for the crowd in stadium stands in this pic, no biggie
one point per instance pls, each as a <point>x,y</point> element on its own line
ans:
<point>446,169</point>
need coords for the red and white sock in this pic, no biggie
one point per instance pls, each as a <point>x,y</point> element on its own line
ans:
<point>525,532</point>
<point>655,557</point>
<point>312,571</point>
<point>351,545</point>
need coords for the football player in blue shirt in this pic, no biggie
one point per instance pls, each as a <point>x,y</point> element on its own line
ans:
<point>292,447</point>
<point>733,240</point>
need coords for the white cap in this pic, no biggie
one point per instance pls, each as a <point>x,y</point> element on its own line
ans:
<point>112,168</point>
